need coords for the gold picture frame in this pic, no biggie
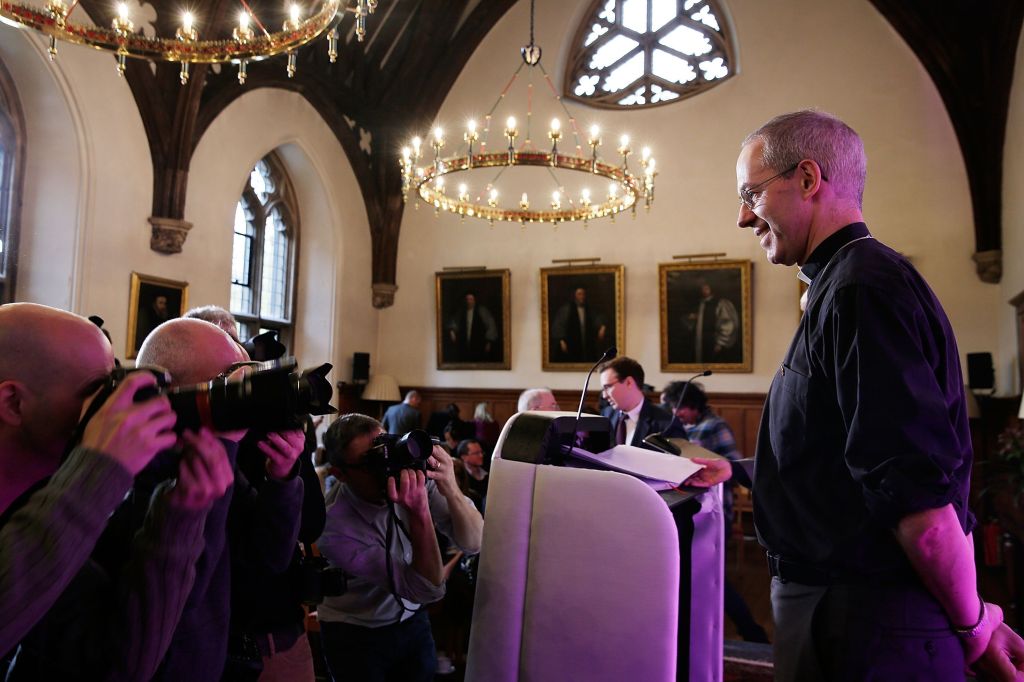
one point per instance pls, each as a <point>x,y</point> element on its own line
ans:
<point>706,316</point>
<point>146,310</point>
<point>477,340</point>
<point>574,332</point>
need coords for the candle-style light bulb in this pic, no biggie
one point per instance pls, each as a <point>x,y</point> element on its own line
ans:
<point>416,142</point>
<point>471,126</point>
<point>122,11</point>
<point>645,153</point>
<point>438,134</point>
<point>585,193</point>
<point>493,199</point>
<point>595,132</point>
<point>186,22</point>
<point>243,21</point>
<point>510,124</point>
<point>613,191</point>
<point>556,126</point>
<point>294,12</point>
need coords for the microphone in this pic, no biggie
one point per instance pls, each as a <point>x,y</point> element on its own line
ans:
<point>660,441</point>
<point>607,355</point>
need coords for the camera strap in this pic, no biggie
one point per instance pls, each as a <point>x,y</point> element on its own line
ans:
<point>389,538</point>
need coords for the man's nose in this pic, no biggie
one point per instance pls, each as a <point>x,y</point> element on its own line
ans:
<point>746,217</point>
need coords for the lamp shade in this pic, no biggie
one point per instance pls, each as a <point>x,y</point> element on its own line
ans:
<point>382,387</point>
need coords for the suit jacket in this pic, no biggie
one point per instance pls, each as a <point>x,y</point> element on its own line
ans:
<point>653,419</point>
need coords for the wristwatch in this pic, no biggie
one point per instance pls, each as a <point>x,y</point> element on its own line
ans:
<point>974,630</point>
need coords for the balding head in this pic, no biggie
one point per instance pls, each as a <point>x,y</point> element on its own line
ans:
<point>193,351</point>
<point>50,362</point>
<point>538,399</point>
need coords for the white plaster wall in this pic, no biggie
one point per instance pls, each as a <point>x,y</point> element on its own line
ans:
<point>334,313</point>
<point>1013,233</point>
<point>839,56</point>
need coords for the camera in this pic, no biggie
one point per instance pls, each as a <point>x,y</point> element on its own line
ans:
<point>390,453</point>
<point>316,579</point>
<point>273,398</point>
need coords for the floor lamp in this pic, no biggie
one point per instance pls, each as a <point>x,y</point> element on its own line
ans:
<point>382,388</point>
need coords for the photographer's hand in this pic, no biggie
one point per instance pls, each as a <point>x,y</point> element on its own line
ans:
<point>441,469</point>
<point>132,433</point>
<point>410,491</point>
<point>282,450</point>
<point>204,474</point>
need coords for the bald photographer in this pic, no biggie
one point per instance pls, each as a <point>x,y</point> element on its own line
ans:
<point>380,531</point>
<point>64,616</point>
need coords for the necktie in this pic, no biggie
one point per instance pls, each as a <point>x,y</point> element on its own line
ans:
<point>620,429</point>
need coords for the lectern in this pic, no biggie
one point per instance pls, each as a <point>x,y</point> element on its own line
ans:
<point>592,575</point>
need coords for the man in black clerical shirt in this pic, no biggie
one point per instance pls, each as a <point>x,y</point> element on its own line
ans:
<point>864,452</point>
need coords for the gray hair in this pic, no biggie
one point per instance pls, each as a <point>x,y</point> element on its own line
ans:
<point>214,314</point>
<point>809,134</point>
<point>343,431</point>
<point>531,398</point>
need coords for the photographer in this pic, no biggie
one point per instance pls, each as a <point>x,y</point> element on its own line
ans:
<point>263,523</point>
<point>88,624</point>
<point>381,531</point>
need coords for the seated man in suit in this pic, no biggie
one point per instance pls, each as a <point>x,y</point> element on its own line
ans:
<point>633,416</point>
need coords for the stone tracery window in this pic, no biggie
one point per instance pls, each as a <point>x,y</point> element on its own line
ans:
<point>12,165</point>
<point>637,53</point>
<point>263,255</point>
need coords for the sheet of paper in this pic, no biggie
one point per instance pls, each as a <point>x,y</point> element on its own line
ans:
<point>648,464</point>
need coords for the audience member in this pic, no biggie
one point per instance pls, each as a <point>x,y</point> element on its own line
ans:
<point>486,430</point>
<point>257,527</point>
<point>381,531</point>
<point>405,416</point>
<point>633,416</point>
<point>88,624</point>
<point>541,399</point>
<point>471,475</point>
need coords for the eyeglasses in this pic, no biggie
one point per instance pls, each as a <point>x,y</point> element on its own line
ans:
<point>747,194</point>
<point>607,387</point>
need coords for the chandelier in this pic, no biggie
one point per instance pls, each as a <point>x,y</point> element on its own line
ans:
<point>428,174</point>
<point>186,47</point>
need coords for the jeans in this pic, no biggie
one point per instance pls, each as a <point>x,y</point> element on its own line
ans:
<point>402,652</point>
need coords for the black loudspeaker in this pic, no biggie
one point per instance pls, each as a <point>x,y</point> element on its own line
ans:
<point>360,367</point>
<point>980,373</point>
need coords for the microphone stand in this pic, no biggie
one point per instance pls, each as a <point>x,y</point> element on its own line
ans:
<point>607,355</point>
<point>660,441</point>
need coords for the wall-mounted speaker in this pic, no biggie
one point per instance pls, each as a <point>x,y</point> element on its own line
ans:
<point>360,367</point>
<point>981,375</point>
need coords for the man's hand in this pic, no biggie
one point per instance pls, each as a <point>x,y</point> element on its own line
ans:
<point>204,473</point>
<point>282,449</point>
<point>410,491</point>
<point>132,433</point>
<point>1003,657</point>
<point>441,469</point>
<point>715,471</point>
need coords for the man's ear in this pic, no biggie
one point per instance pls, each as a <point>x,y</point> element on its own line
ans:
<point>12,396</point>
<point>810,177</point>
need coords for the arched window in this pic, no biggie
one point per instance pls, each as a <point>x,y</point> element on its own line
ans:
<point>636,53</point>
<point>263,256</point>
<point>12,165</point>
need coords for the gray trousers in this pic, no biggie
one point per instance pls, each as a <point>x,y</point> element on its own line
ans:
<point>847,633</point>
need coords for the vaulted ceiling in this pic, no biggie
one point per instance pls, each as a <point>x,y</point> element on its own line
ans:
<point>378,86</point>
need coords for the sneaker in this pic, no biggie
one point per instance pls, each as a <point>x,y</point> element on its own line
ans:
<point>444,665</point>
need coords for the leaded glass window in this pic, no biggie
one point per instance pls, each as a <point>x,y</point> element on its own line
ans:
<point>637,53</point>
<point>263,253</point>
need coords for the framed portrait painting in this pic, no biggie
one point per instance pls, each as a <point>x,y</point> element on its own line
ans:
<point>582,311</point>
<point>706,316</point>
<point>152,301</point>
<point>473,310</point>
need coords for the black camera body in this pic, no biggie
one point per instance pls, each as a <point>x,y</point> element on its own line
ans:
<point>391,453</point>
<point>317,579</point>
<point>273,398</point>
